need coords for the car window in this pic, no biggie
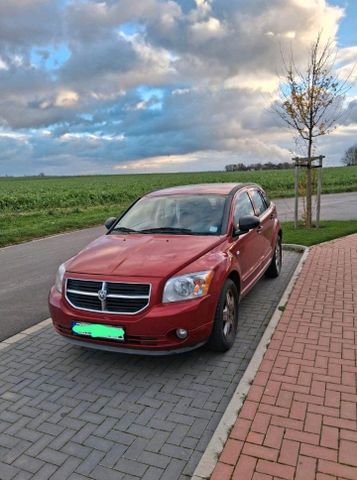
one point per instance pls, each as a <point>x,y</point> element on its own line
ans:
<point>266,198</point>
<point>243,206</point>
<point>200,214</point>
<point>258,200</point>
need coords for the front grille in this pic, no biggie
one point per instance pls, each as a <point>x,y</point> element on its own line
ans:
<point>108,297</point>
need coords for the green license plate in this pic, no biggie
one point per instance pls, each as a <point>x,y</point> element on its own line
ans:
<point>95,330</point>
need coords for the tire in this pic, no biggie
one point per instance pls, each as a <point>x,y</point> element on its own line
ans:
<point>226,319</point>
<point>274,268</point>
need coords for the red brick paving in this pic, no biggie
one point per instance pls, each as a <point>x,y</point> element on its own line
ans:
<point>299,420</point>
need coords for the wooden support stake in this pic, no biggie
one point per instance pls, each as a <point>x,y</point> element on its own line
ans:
<point>319,188</point>
<point>296,195</point>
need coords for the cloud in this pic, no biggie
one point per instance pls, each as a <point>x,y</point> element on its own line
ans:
<point>150,85</point>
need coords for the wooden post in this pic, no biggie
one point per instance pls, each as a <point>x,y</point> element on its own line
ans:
<point>319,188</point>
<point>309,164</point>
<point>296,217</point>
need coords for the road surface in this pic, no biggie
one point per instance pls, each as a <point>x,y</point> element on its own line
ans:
<point>335,206</point>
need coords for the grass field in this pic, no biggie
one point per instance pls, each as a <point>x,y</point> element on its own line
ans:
<point>328,230</point>
<point>39,206</point>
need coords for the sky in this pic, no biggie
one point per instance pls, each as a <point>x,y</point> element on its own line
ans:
<point>123,86</point>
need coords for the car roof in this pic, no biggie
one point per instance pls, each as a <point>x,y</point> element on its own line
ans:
<point>201,189</point>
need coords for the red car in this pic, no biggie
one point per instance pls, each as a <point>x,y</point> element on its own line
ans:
<point>170,272</point>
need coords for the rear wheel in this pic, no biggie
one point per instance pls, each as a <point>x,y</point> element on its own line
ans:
<point>226,319</point>
<point>274,268</point>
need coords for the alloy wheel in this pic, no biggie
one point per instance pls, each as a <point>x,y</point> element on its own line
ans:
<point>229,313</point>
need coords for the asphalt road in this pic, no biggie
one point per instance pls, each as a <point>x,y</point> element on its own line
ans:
<point>335,206</point>
<point>27,270</point>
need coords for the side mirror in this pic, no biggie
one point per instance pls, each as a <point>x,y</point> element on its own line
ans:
<point>246,223</point>
<point>110,222</point>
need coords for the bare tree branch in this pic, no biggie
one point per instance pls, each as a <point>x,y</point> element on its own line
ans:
<point>311,101</point>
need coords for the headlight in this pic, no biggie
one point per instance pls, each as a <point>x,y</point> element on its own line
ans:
<point>59,278</point>
<point>186,287</point>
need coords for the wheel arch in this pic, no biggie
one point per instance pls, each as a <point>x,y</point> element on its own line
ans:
<point>235,277</point>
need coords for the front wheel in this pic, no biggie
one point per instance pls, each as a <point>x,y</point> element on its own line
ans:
<point>226,319</point>
<point>274,268</point>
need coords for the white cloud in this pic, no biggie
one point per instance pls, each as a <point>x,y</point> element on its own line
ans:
<point>3,65</point>
<point>215,62</point>
<point>66,99</point>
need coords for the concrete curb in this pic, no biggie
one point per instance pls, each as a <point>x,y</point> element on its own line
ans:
<point>21,335</point>
<point>210,456</point>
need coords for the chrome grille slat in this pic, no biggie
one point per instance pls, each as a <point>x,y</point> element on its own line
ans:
<point>107,297</point>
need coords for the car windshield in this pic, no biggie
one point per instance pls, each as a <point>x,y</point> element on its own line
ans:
<point>175,214</point>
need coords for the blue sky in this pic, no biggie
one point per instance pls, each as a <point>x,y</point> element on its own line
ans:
<point>347,32</point>
<point>100,86</point>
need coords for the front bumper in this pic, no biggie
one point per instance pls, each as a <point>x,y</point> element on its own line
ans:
<point>152,330</point>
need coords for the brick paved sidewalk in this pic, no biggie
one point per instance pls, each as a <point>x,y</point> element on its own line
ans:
<point>299,418</point>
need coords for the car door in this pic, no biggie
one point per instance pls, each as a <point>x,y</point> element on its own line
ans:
<point>265,214</point>
<point>246,249</point>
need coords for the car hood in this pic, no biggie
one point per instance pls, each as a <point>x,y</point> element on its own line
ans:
<point>140,255</point>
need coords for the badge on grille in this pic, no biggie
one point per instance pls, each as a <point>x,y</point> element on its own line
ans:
<point>102,295</point>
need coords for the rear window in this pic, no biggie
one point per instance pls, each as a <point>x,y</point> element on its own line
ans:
<point>258,201</point>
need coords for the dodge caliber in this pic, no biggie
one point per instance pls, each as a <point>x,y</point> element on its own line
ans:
<point>170,272</point>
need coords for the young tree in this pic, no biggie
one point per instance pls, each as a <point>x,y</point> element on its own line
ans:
<point>350,156</point>
<point>311,101</point>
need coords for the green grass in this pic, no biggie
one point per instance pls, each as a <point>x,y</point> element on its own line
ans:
<point>328,231</point>
<point>39,206</point>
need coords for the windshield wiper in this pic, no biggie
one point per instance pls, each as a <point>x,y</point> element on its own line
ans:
<point>168,230</point>
<point>124,229</point>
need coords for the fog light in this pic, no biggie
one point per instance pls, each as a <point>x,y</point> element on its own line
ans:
<point>181,333</point>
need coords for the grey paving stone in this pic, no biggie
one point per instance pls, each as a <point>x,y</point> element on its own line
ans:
<point>176,452</point>
<point>67,412</point>
<point>131,467</point>
<point>66,469</point>
<point>77,476</point>
<point>59,441</point>
<point>29,464</point>
<point>157,441</point>
<point>88,465</point>
<point>155,459</point>
<point>7,440</point>
<point>136,448</point>
<point>16,451</point>
<point>39,445</point>
<point>98,443</point>
<point>177,435</point>
<point>173,470</point>
<point>76,450</point>
<point>101,473</point>
<point>7,472</point>
<point>45,472</point>
<point>52,456</point>
<point>22,475</point>
<point>153,473</point>
<point>113,456</point>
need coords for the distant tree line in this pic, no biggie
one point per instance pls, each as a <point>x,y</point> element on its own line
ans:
<point>350,157</point>
<point>240,167</point>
